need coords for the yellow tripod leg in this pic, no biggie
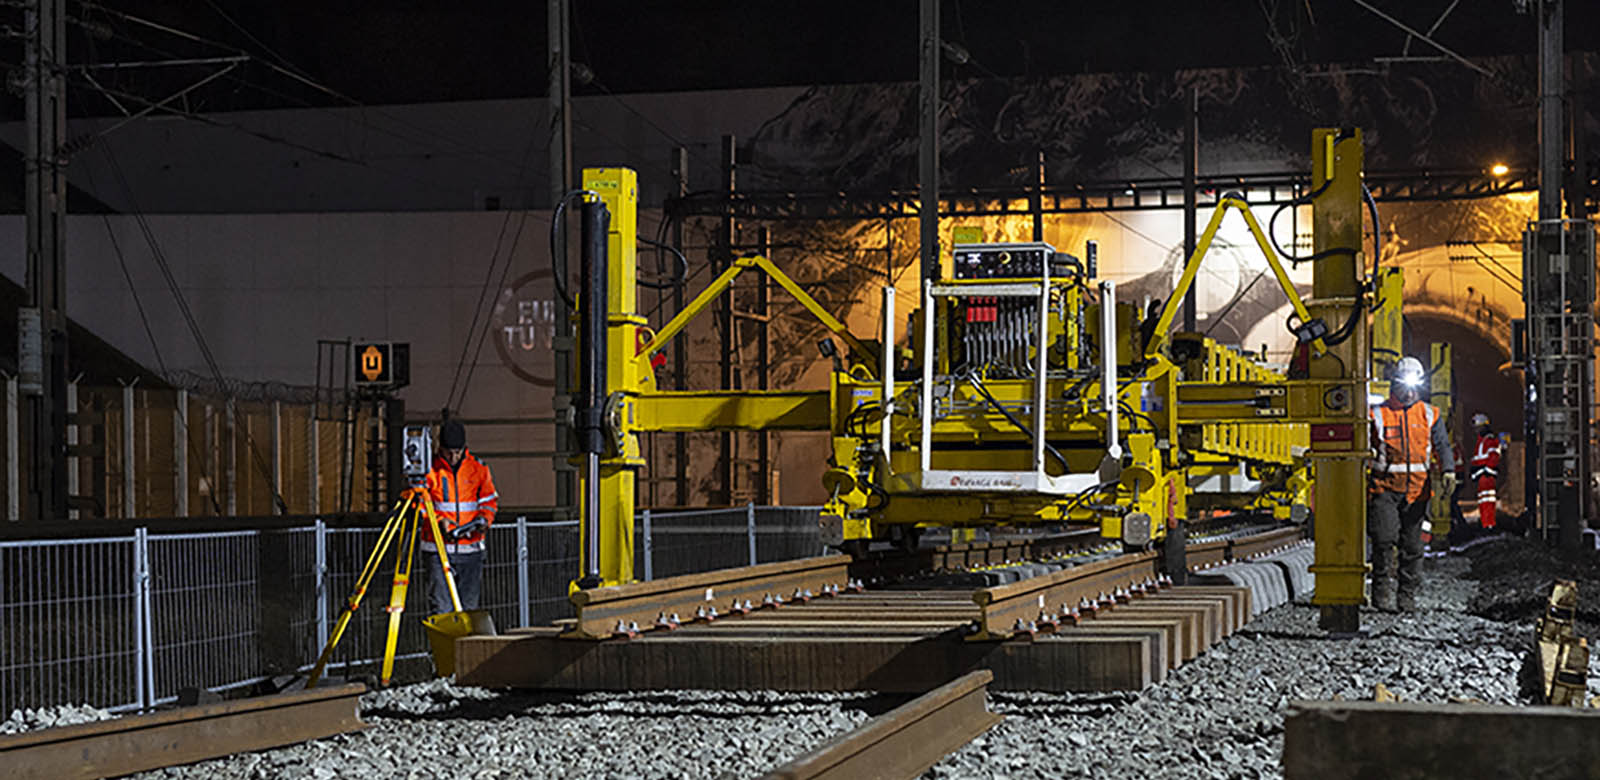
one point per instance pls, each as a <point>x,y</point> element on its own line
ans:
<point>405,552</point>
<point>368,571</point>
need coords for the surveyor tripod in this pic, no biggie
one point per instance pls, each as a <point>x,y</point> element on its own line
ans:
<point>401,529</point>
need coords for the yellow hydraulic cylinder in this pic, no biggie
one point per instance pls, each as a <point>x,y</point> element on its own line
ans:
<point>1388,327</point>
<point>619,189</point>
<point>1341,484</point>
<point>1441,393</point>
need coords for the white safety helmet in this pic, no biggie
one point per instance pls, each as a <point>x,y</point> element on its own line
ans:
<point>1480,420</point>
<point>1409,372</point>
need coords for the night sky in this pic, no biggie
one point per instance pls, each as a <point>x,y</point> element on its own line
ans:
<point>412,51</point>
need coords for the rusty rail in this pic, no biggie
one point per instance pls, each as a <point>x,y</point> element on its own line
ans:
<point>139,743</point>
<point>1255,544</point>
<point>1007,610</point>
<point>624,610</point>
<point>905,741</point>
<point>1020,607</point>
<point>1040,604</point>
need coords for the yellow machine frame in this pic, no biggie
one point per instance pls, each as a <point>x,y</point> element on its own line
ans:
<point>1213,410</point>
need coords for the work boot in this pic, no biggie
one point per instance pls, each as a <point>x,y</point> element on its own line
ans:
<point>1382,597</point>
<point>1406,602</point>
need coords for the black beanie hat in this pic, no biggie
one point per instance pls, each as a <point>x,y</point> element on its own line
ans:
<point>452,435</point>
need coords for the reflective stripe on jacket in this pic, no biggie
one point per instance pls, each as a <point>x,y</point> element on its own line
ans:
<point>1403,435</point>
<point>460,495</point>
<point>1486,460</point>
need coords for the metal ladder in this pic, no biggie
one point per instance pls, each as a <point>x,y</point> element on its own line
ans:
<point>1559,291</point>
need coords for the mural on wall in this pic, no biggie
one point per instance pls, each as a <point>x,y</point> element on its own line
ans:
<point>1114,126</point>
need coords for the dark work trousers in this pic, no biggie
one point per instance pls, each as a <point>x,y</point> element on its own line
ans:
<point>468,568</point>
<point>1392,521</point>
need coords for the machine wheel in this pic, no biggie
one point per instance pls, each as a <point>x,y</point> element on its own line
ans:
<point>855,548</point>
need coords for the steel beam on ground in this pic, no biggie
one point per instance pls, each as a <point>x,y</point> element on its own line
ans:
<point>1340,739</point>
<point>138,743</point>
<point>539,659</point>
<point>905,741</point>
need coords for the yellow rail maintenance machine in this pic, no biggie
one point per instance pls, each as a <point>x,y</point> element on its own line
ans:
<point>1026,394</point>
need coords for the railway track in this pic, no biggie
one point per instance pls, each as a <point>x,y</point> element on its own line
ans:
<point>1095,619</point>
<point>1046,614</point>
<point>137,743</point>
<point>905,741</point>
<point>1088,577</point>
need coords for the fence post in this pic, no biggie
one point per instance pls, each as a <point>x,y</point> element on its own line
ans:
<point>277,458</point>
<point>322,584</point>
<point>180,454</point>
<point>129,507</point>
<point>750,528</point>
<point>523,604</point>
<point>231,457</point>
<point>313,465</point>
<point>144,647</point>
<point>649,550</point>
<point>13,465</point>
<point>72,447</point>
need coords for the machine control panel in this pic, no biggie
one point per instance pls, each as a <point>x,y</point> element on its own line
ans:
<point>1009,261</point>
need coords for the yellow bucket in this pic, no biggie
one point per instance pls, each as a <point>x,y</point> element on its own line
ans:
<point>445,628</point>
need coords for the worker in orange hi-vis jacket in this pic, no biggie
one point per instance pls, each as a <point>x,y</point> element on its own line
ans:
<point>1486,469</point>
<point>465,503</point>
<point>1410,441</point>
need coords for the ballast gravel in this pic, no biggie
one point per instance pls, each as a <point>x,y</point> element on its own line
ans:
<point>439,729</point>
<point>1220,716</point>
<point>49,717</point>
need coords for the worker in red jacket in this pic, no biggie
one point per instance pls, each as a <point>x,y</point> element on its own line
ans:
<point>464,500</point>
<point>1486,469</point>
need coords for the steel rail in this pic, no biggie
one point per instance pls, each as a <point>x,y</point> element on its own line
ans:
<point>1040,604</point>
<point>1027,606</point>
<point>138,743</point>
<point>624,610</point>
<point>1268,541</point>
<point>1007,610</point>
<point>905,741</point>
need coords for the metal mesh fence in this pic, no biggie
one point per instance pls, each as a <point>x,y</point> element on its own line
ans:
<point>667,544</point>
<point>131,622</point>
<point>552,551</point>
<point>205,609</point>
<point>69,624</point>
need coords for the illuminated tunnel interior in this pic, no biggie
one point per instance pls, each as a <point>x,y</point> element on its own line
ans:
<point>1480,384</point>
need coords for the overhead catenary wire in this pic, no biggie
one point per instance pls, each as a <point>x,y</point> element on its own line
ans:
<point>181,300</point>
<point>289,70</point>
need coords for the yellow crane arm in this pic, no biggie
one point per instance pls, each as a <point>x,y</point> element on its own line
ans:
<point>1192,267</point>
<point>721,284</point>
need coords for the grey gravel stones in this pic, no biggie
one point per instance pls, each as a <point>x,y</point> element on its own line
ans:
<point>439,729</point>
<point>1221,715</point>
<point>47,717</point>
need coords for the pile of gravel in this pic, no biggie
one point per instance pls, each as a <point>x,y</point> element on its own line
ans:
<point>1514,577</point>
<point>1221,715</point>
<point>48,717</point>
<point>439,729</point>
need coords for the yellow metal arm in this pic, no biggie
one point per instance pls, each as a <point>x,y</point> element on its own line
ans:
<point>735,410</point>
<point>725,280</point>
<point>1192,267</point>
